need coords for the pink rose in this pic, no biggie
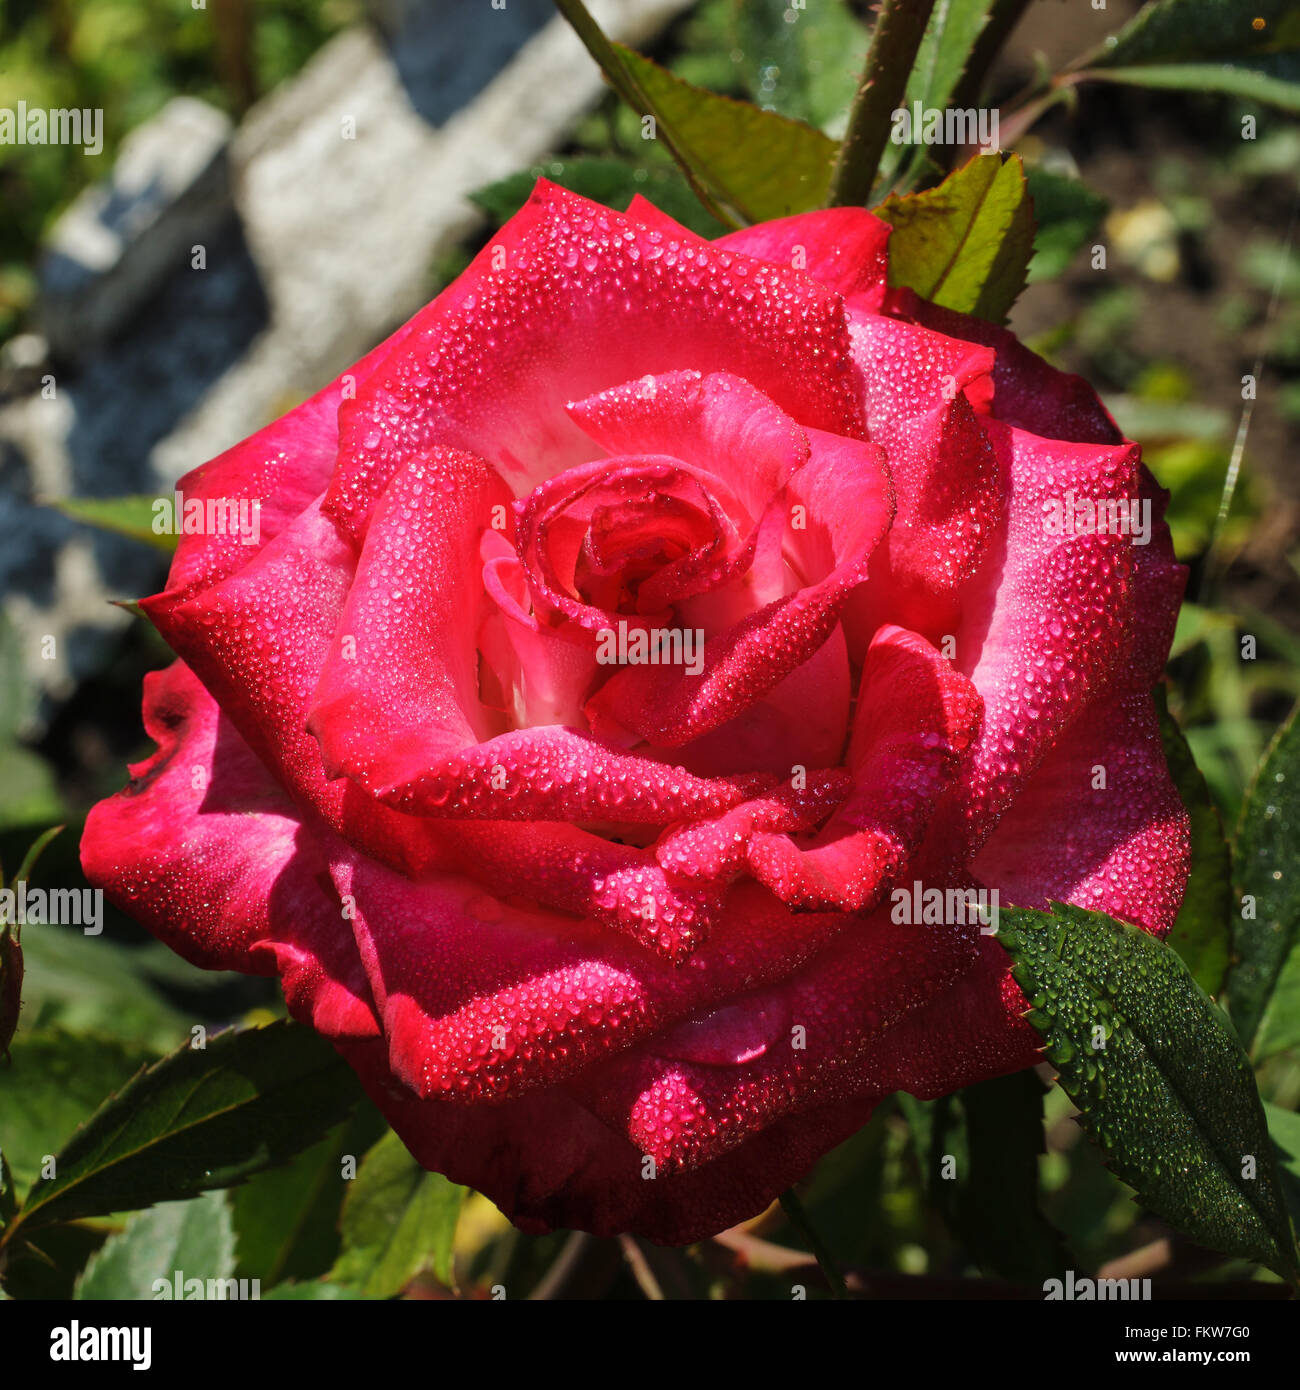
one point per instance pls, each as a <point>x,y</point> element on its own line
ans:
<point>636,641</point>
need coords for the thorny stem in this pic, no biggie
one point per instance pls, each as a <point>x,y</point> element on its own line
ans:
<point>900,26</point>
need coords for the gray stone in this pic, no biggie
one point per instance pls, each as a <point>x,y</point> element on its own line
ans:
<point>168,191</point>
<point>327,248</point>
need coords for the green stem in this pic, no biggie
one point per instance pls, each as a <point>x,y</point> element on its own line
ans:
<point>894,43</point>
<point>794,1209</point>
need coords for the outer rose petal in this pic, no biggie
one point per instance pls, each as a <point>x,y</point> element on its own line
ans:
<point>257,641</point>
<point>730,1137</point>
<point>283,467</point>
<point>951,502</point>
<point>884,1010</point>
<point>1121,849</point>
<point>1027,392</point>
<point>582,299</point>
<point>480,999</point>
<point>841,248</point>
<point>1047,626</point>
<point>207,851</point>
<point>546,1161</point>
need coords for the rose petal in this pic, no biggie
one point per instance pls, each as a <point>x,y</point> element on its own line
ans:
<point>847,494</point>
<point>397,708</point>
<point>546,1161</point>
<point>206,850</point>
<point>718,423</point>
<point>916,716</point>
<point>257,640</point>
<point>568,299</point>
<point>481,999</point>
<point>1121,848</point>
<point>844,249</point>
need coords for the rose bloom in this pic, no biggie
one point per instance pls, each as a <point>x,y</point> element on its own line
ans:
<point>634,640</point>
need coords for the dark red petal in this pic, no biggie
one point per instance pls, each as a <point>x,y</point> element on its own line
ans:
<point>204,849</point>
<point>480,998</point>
<point>1027,392</point>
<point>547,1162</point>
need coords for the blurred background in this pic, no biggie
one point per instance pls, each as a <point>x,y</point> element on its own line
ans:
<point>282,182</point>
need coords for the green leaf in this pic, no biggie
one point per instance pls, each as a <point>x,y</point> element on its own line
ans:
<point>845,1192</point>
<point>754,163</point>
<point>1279,1029</point>
<point>1159,1077</point>
<point>1175,31</point>
<point>1274,80</point>
<point>612,182</point>
<point>8,1190</point>
<point>397,1220</point>
<point>54,1082</point>
<point>1284,1130</point>
<point>31,794</point>
<point>88,984</point>
<point>1266,862</point>
<point>1209,45</point>
<point>16,694</point>
<point>48,1266</point>
<point>993,1133</point>
<point>286,1219</point>
<point>124,516</point>
<point>941,60</point>
<point>759,164</point>
<point>1202,933</point>
<point>1067,212</point>
<point>34,852</point>
<point>966,244</point>
<point>198,1119</point>
<point>193,1239</point>
<point>314,1290</point>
